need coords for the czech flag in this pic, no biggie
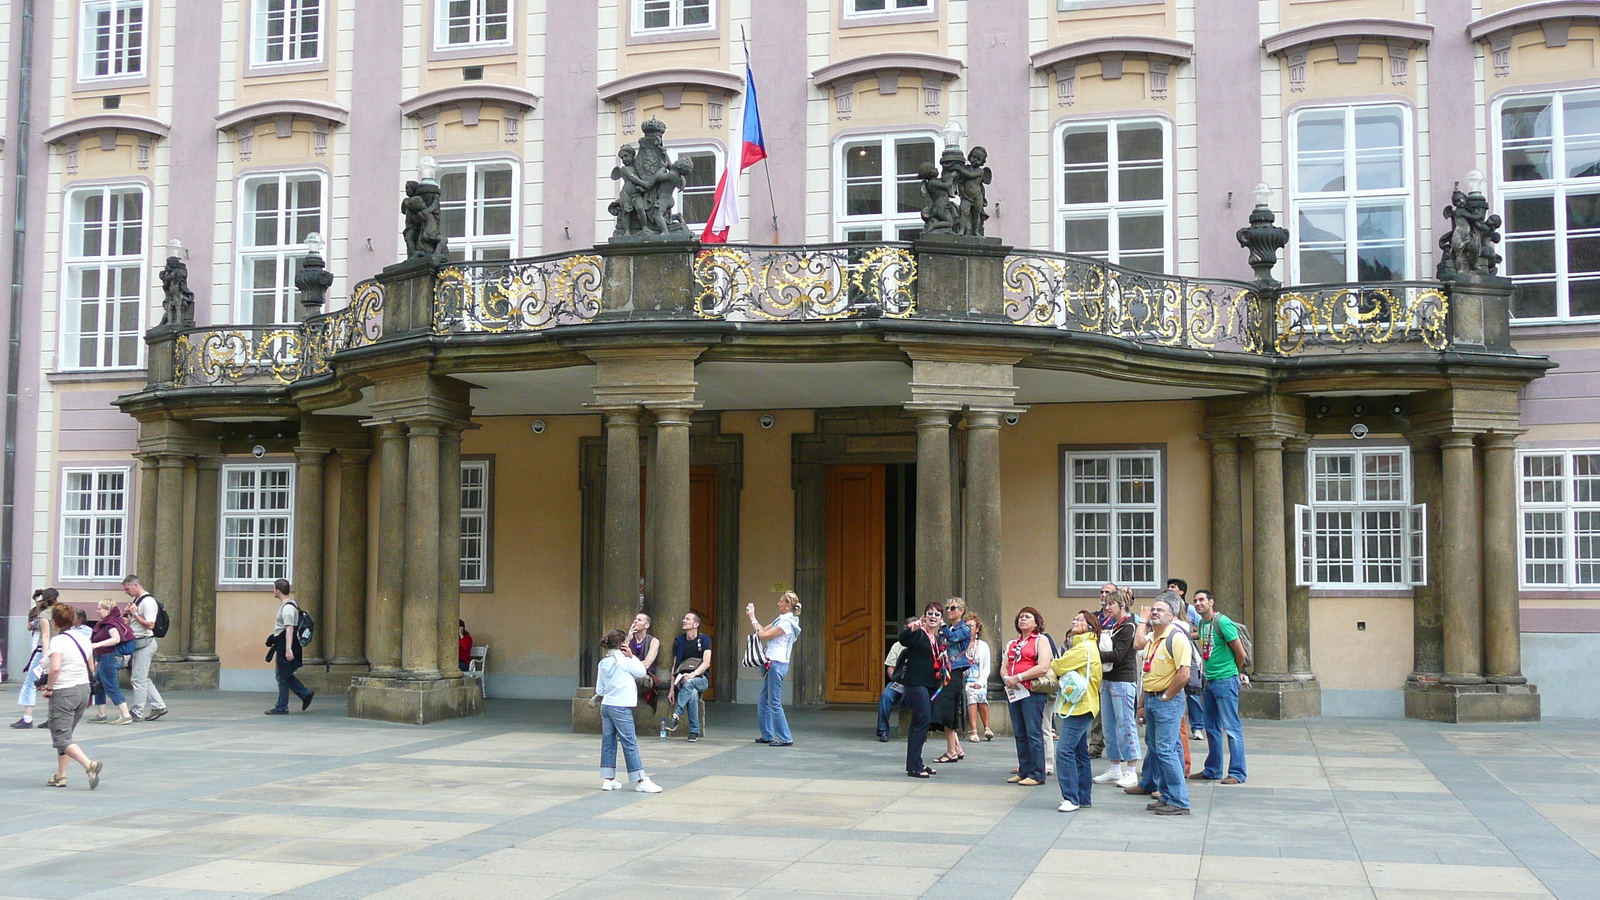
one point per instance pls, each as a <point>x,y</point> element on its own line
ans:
<point>725,203</point>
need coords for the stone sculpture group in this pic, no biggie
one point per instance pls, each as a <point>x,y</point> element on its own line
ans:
<point>645,205</point>
<point>1467,249</point>
<point>957,198</point>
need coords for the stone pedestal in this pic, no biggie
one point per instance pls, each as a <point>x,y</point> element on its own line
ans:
<point>185,675</point>
<point>646,722</point>
<point>1435,701</point>
<point>331,680</point>
<point>414,702</point>
<point>1278,700</point>
<point>960,276</point>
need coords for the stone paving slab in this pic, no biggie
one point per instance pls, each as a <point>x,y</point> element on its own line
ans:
<point>216,801</point>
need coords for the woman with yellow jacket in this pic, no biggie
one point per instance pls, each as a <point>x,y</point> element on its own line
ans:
<point>1078,671</point>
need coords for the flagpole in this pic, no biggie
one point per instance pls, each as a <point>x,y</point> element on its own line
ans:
<point>772,199</point>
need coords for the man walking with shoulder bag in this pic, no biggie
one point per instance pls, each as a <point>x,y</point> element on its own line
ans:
<point>285,643</point>
<point>143,613</point>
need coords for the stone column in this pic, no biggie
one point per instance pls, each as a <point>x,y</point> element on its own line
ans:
<point>1298,595</point>
<point>983,514</point>
<point>671,518</point>
<point>168,575</point>
<point>1502,625</point>
<point>308,524</point>
<point>619,577</point>
<point>350,594</point>
<point>1271,610</point>
<point>1427,617</point>
<point>1227,523</point>
<point>144,560</point>
<point>203,583</point>
<point>449,549</point>
<point>383,619</point>
<point>1459,577</point>
<point>933,504</point>
<point>419,635</point>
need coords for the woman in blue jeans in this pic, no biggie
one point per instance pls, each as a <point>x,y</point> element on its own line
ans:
<point>1027,657</point>
<point>1077,714</point>
<point>1119,692</point>
<point>780,637</point>
<point>110,633</point>
<point>619,694</point>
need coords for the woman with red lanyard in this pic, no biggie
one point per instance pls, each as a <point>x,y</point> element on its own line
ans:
<point>1027,657</point>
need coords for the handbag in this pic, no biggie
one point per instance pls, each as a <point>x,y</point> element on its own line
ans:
<point>754,656</point>
<point>1046,683</point>
<point>1107,647</point>
<point>1074,687</point>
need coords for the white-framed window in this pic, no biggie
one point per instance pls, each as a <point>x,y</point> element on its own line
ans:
<point>1547,187</point>
<point>472,23</point>
<point>877,193</point>
<point>1360,529</point>
<point>476,490</point>
<point>1114,200</point>
<point>276,213</point>
<point>104,277</point>
<point>880,7</point>
<point>700,187</point>
<point>1113,518</point>
<point>654,16</point>
<point>94,523</point>
<point>478,207</point>
<point>1350,194</point>
<point>286,31</point>
<point>257,522</point>
<point>1559,545</point>
<point>111,38</point>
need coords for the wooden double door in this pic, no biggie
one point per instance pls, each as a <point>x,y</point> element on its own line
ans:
<point>856,557</point>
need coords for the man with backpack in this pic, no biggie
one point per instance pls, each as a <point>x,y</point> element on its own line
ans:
<point>285,645</point>
<point>1222,648</point>
<point>149,621</point>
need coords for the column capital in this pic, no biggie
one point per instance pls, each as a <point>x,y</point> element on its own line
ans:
<point>307,456</point>
<point>171,460</point>
<point>1297,444</point>
<point>354,456</point>
<point>932,415</point>
<point>673,414</point>
<point>1502,440</point>
<point>1269,441</point>
<point>1221,441</point>
<point>390,429</point>
<point>1455,440</point>
<point>622,414</point>
<point>990,416</point>
<point>208,463</point>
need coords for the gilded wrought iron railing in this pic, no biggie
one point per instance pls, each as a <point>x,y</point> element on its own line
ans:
<point>239,354</point>
<point>1075,293</point>
<point>1352,316</point>
<point>816,283</point>
<point>517,295</point>
<point>357,325</point>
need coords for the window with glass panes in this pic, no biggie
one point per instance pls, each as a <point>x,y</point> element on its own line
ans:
<point>287,31</point>
<point>671,15</point>
<point>879,196</point>
<point>1547,185</point>
<point>1560,527</point>
<point>700,187</point>
<point>257,522</point>
<point>868,7</point>
<point>111,42</point>
<point>1350,195</point>
<point>94,523</point>
<point>1360,528</point>
<point>277,212</point>
<point>465,23</point>
<point>475,523</point>
<point>477,205</point>
<point>103,285</point>
<point>1114,196</point>
<point>1113,518</point>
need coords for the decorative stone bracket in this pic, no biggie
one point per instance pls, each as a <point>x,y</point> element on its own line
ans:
<point>470,99</point>
<point>1347,36</point>
<point>843,78</point>
<point>1554,17</point>
<point>109,128</point>
<point>244,121</point>
<point>719,88</point>
<point>1160,54</point>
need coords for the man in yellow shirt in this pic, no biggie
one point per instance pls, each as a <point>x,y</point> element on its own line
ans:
<point>1168,656</point>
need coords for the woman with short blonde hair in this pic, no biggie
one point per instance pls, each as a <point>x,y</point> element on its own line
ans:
<point>780,637</point>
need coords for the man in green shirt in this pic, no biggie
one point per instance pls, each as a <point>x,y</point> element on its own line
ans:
<point>1224,655</point>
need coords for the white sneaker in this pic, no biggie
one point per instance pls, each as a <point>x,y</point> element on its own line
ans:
<point>1108,776</point>
<point>1128,780</point>
<point>610,784</point>
<point>646,786</point>
<point>1067,806</point>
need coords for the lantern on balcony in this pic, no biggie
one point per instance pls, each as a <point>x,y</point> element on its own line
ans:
<point>313,279</point>
<point>1263,237</point>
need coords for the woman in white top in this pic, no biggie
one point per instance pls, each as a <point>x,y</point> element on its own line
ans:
<point>618,691</point>
<point>978,680</point>
<point>780,637</point>
<point>68,694</point>
<point>44,600</point>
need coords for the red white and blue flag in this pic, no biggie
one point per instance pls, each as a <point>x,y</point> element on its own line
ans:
<point>725,203</point>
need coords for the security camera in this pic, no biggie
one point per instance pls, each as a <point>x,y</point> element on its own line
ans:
<point>258,451</point>
<point>1012,418</point>
<point>538,426</point>
<point>1358,431</point>
<point>767,421</point>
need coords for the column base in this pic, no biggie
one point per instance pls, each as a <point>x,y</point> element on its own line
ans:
<point>1433,701</point>
<point>331,680</point>
<point>185,674</point>
<point>1300,698</point>
<point>410,702</point>
<point>646,721</point>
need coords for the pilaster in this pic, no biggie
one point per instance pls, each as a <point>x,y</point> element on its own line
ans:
<point>419,637</point>
<point>934,563</point>
<point>383,617</point>
<point>449,566</point>
<point>167,578</point>
<point>350,593</point>
<point>1502,625</point>
<point>308,537</point>
<point>203,585</point>
<point>670,512</point>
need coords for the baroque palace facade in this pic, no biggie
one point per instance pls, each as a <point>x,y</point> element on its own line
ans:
<point>1394,479</point>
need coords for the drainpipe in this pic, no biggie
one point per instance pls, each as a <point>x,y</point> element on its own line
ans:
<point>19,232</point>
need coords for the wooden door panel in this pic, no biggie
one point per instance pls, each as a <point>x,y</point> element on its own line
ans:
<point>855,584</point>
<point>703,551</point>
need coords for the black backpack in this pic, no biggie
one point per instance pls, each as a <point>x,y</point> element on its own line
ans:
<point>304,626</point>
<point>162,623</point>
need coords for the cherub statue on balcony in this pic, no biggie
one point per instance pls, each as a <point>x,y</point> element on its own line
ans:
<point>632,206</point>
<point>177,301</point>
<point>663,195</point>
<point>424,237</point>
<point>970,179</point>
<point>1468,247</point>
<point>940,215</point>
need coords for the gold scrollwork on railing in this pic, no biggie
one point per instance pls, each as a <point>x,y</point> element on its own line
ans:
<point>238,356</point>
<point>1358,315</point>
<point>531,295</point>
<point>357,325</point>
<point>804,284</point>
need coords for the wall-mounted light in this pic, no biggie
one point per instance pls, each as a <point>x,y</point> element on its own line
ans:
<point>1358,431</point>
<point>1012,418</point>
<point>258,451</point>
<point>538,426</point>
<point>767,421</point>
<point>176,249</point>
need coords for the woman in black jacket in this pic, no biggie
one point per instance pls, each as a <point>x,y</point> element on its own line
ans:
<point>1119,689</point>
<point>919,661</point>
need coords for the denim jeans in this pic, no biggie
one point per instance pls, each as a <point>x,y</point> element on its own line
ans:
<point>616,725</point>
<point>108,671</point>
<point>1163,761</point>
<point>30,693</point>
<point>1117,701</point>
<point>1222,717</point>
<point>1072,759</point>
<point>917,702</point>
<point>284,671</point>
<point>769,706</point>
<point>893,695</point>
<point>1027,725</point>
<point>143,687</point>
<point>1196,710</point>
<point>689,699</point>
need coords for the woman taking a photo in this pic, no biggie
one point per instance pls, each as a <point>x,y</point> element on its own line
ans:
<point>1027,657</point>
<point>1119,692</point>
<point>950,700</point>
<point>617,687</point>
<point>780,637</point>
<point>1077,703</point>
<point>920,660</point>
<point>978,680</point>
<point>67,692</point>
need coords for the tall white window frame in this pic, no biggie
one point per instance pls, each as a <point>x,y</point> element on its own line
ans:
<point>1360,528</point>
<point>668,16</point>
<point>881,166</point>
<point>461,24</point>
<point>1114,190</point>
<point>104,275</point>
<point>868,8</point>
<point>1114,517</point>
<point>286,32</point>
<point>1547,191</point>
<point>698,194</point>
<point>256,544</point>
<point>277,210</point>
<point>480,203</point>
<point>1366,229</point>
<point>112,39</point>
<point>94,523</point>
<point>1558,522</point>
<point>477,504</point>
